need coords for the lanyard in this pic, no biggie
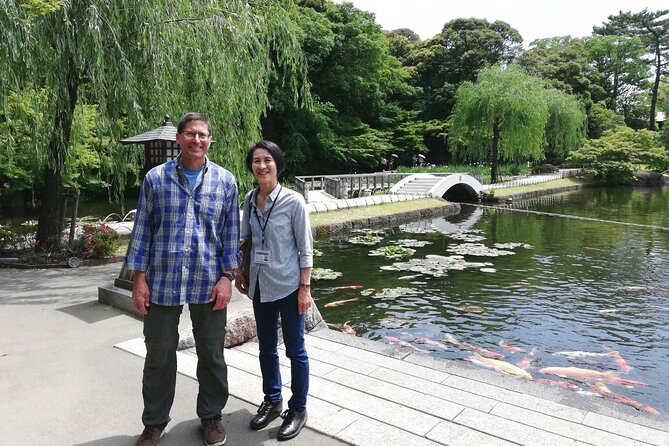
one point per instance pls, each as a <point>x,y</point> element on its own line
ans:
<point>262,227</point>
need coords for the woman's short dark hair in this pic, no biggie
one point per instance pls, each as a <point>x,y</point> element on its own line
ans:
<point>273,149</point>
<point>192,116</point>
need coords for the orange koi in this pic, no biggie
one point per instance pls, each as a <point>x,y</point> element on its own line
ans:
<point>348,329</point>
<point>622,365</point>
<point>510,348</point>
<point>431,343</point>
<point>589,375</point>
<point>339,303</point>
<point>348,287</point>
<point>605,391</point>
<point>401,342</point>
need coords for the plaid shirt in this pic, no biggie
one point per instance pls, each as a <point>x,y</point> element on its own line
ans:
<point>184,239</point>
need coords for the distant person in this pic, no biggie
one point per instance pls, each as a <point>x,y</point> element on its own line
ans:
<point>392,161</point>
<point>414,160</point>
<point>277,221</point>
<point>184,251</point>
<point>383,162</point>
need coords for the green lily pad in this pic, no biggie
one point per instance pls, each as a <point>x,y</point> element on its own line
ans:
<point>511,245</point>
<point>391,293</point>
<point>393,252</point>
<point>365,239</point>
<point>414,228</point>
<point>477,249</point>
<point>324,274</point>
<point>412,243</point>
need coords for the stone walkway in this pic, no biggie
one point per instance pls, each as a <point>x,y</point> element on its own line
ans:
<point>369,393</point>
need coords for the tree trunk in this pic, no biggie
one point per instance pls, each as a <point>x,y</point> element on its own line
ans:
<point>494,153</point>
<point>656,86</point>
<point>50,221</point>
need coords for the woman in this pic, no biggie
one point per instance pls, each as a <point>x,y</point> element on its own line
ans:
<point>277,221</point>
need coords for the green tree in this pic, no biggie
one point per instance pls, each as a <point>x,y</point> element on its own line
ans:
<point>501,116</point>
<point>357,88</point>
<point>619,59</point>
<point>619,152</point>
<point>136,60</point>
<point>653,30</point>
<point>566,126</point>
<point>565,64</point>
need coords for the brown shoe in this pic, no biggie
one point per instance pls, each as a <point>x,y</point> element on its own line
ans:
<point>213,432</point>
<point>151,435</point>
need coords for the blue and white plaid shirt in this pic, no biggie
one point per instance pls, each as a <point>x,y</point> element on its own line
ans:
<point>184,239</point>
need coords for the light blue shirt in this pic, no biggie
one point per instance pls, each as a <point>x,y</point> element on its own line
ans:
<point>287,237</point>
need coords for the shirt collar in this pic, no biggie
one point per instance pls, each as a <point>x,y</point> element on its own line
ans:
<point>205,167</point>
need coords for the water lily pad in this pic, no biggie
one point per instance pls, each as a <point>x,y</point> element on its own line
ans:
<point>468,308</point>
<point>488,270</point>
<point>393,252</point>
<point>467,236</point>
<point>477,249</point>
<point>318,253</point>
<point>324,274</point>
<point>365,239</point>
<point>392,293</point>
<point>511,245</point>
<point>435,265</point>
<point>418,228</point>
<point>412,243</point>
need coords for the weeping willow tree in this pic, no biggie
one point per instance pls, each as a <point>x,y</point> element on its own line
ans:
<point>137,61</point>
<point>509,115</point>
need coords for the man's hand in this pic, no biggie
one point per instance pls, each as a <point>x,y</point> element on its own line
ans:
<point>241,285</point>
<point>140,293</point>
<point>222,293</point>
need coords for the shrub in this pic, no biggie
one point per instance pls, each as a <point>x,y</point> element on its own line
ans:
<point>97,240</point>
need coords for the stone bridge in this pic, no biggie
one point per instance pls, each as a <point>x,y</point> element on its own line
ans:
<point>453,187</point>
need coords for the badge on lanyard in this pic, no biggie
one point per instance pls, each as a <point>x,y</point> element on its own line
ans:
<point>261,257</point>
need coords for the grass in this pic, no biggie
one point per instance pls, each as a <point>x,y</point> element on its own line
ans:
<point>563,182</point>
<point>345,215</point>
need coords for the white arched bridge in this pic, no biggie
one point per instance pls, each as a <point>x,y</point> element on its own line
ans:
<point>452,187</point>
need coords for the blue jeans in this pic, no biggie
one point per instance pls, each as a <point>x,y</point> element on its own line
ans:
<point>292,326</point>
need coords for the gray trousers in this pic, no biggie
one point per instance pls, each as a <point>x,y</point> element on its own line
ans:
<point>161,336</point>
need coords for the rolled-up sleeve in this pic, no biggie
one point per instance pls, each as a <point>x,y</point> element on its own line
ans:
<point>302,233</point>
<point>141,239</point>
<point>230,236</point>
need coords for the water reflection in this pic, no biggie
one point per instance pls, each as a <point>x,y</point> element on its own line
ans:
<point>580,286</point>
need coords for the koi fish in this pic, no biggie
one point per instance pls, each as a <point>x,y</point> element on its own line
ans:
<point>402,342</point>
<point>338,303</point>
<point>348,287</point>
<point>466,346</point>
<point>501,366</point>
<point>510,348</point>
<point>466,308</point>
<point>348,329</point>
<point>581,355</point>
<point>527,360</point>
<point>622,365</point>
<point>552,382</point>
<point>431,343</point>
<point>589,375</point>
<point>605,391</point>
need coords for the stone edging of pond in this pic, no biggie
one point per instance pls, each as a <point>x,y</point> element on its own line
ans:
<point>539,193</point>
<point>385,220</point>
<point>83,262</point>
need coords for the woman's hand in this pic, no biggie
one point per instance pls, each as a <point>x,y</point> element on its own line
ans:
<point>241,284</point>
<point>303,300</point>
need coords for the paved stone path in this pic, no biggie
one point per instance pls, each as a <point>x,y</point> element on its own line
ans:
<point>369,393</point>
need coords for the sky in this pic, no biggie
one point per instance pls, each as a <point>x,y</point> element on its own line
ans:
<point>534,19</point>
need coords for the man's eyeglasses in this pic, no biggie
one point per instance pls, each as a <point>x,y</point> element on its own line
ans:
<point>191,135</point>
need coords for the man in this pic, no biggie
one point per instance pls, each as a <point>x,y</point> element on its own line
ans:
<point>184,251</point>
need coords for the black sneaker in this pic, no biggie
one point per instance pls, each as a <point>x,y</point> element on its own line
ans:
<point>267,412</point>
<point>293,422</point>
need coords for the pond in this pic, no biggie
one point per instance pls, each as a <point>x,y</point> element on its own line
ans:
<point>569,285</point>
